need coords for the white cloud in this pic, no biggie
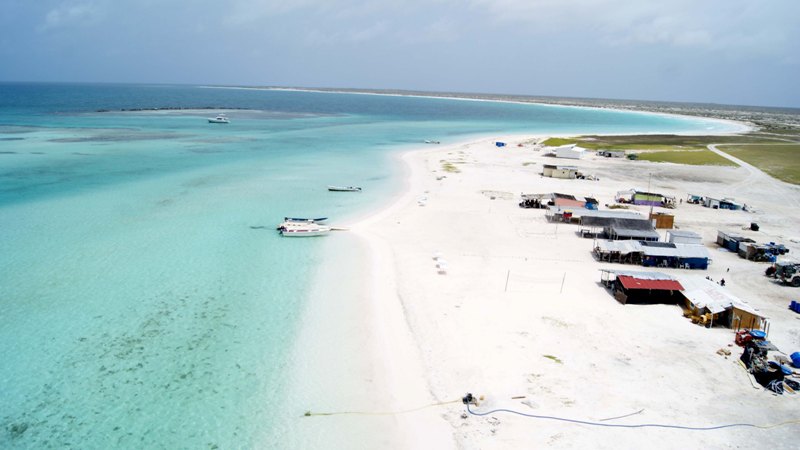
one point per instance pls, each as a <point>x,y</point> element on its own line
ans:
<point>317,37</point>
<point>732,26</point>
<point>243,12</point>
<point>70,13</point>
<point>441,30</point>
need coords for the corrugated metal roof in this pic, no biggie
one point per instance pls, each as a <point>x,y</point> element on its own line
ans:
<point>550,195</point>
<point>621,222</point>
<point>631,232</point>
<point>623,247</point>
<point>704,293</point>
<point>680,250</point>
<point>658,244</point>
<point>684,233</point>
<point>677,250</point>
<point>657,285</point>
<point>644,275</point>
<point>584,213</point>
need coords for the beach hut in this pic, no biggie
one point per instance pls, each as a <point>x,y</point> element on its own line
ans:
<point>684,237</point>
<point>569,151</point>
<point>682,256</point>
<point>758,252</point>
<point>569,202</point>
<point>732,241</point>
<point>653,254</point>
<point>565,172</point>
<point>725,203</point>
<point>591,217</point>
<point>618,232</point>
<point>695,199</point>
<point>551,199</point>
<point>642,287</point>
<point>638,197</point>
<point>706,298</point>
<point>611,153</point>
<point>623,252</point>
<point>597,218</point>
<point>648,198</point>
<point>662,221</point>
<point>628,229</point>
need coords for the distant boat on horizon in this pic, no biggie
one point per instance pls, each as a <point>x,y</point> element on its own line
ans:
<point>344,188</point>
<point>219,119</point>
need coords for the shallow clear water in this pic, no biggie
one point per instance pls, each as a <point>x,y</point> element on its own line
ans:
<point>146,300</point>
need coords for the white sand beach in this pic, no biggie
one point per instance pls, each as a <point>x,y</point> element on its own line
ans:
<point>520,316</point>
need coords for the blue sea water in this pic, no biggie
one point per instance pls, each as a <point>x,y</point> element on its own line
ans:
<point>145,299</point>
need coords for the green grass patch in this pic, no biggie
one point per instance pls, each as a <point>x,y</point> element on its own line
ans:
<point>691,157</point>
<point>553,358</point>
<point>447,166</point>
<point>780,161</point>
<point>657,141</point>
<point>555,142</point>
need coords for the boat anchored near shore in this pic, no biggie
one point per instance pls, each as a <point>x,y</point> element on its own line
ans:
<point>221,118</point>
<point>301,226</point>
<point>344,189</point>
<point>302,230</point>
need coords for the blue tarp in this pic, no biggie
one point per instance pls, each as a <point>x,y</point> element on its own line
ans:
<point>500,144</point>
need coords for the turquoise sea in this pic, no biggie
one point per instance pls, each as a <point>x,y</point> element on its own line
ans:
<point>145,298</point>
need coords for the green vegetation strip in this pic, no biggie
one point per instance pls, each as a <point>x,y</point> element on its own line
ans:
<point>655,141</point>
<point>691,157</point>
<point>771,154</point>
<point>781,161</point>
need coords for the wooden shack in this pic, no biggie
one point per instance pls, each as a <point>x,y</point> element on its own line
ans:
<point>566,172</point>
<point>642,287</point>
<point>663,221</point>
<point>716,306</point>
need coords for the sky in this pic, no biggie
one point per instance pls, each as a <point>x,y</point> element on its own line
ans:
<point>706,51</point>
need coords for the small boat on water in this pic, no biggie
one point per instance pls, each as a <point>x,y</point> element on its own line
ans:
<point>303,230</point>
<point>299,222</point>
<point>344,189</point>
<point>427,141</point>
<point>305,219</point>
<point>219,119</point>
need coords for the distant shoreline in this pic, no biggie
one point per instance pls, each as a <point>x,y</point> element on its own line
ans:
<point>740,127</point>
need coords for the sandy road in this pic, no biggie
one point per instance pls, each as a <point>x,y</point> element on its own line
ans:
<point>786,192</point>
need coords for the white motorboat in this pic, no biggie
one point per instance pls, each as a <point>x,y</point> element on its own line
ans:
<point>302,230</point>
<point>344,188</point>
<point>294,222</point>
<point>219,119</point>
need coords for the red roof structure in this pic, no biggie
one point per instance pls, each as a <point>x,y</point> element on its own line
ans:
<point>568,202</point>
<point>629,282</point>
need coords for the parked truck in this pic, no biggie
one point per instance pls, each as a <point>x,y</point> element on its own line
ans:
<point>787,272</point>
